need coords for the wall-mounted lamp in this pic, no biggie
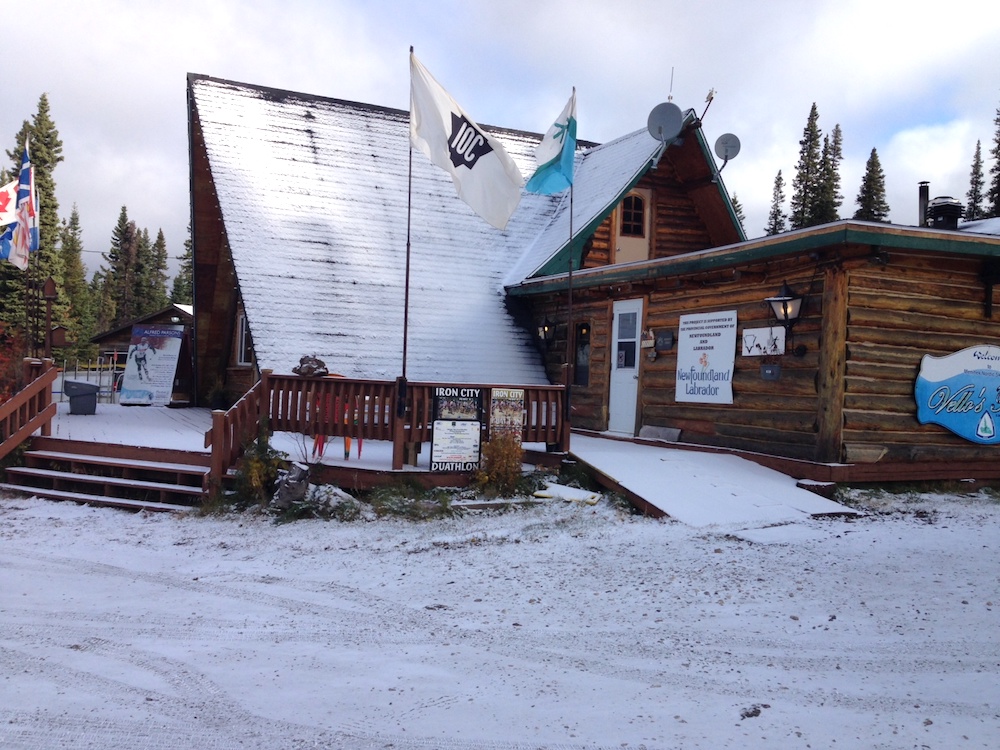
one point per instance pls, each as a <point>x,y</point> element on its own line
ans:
<point>546,331</point>
<point>786,306</point>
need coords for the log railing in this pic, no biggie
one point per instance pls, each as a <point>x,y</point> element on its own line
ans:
<point>394,411</point>
<point>29,409</point>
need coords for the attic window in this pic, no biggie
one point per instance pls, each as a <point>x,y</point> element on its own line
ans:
<point>244,354</point>
<point>633,216</point>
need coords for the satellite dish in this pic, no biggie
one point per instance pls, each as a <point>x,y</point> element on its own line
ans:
<point>727,147</point>
<point>665,122</point>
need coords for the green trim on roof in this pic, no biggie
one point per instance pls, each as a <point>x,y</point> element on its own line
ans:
<point>846,232</point>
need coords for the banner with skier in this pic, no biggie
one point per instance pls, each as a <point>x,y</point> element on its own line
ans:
<point>150,365</point>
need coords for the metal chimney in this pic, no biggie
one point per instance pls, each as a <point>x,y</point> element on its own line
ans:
<point>944,212</point>
<point>924,195</point>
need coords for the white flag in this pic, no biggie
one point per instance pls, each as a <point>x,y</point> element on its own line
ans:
<point>485,176</point>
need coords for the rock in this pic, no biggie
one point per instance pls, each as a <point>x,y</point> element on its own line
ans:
<point>311,367</point>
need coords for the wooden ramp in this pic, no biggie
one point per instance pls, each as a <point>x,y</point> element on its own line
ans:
<point>700,488</point>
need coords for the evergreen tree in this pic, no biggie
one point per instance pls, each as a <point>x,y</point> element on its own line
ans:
<point>738,210</point>
<point>872,205</point>
<point>75,289</point>
<point>182,292</point>
<point>977,183</point>
<point>159,273</point>
<point>807,183</point>
<point>16,307</point>
<point>829,198</point>
<point>776,217</point>
<point>993,196</point>
<point>117,299</point>
<point>149,279</point>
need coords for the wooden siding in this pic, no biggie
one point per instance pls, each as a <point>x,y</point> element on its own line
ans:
<point>920,303</point>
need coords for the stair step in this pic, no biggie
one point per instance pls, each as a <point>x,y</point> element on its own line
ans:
<point>124,463</point>
<point>97,500</point>
<point>65,476</point>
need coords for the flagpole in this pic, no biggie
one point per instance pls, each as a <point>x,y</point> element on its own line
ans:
<point>401,383</point>
<point>570,328</point>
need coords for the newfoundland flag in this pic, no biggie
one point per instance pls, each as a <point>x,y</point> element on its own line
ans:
<point>555,154</point>
<point>485,176</point>
<point>21,238</point>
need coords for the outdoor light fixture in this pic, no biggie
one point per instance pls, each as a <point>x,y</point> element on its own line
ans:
<point>546,331</point>
<point>786,306</point>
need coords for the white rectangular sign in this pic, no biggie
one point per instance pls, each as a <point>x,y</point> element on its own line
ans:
<point>706,356</point>
<point>761,342</point>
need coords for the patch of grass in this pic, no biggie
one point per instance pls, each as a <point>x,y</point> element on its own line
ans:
<point>410,501</point>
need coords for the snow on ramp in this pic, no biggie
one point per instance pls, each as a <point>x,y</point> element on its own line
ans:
<point>702,488</point>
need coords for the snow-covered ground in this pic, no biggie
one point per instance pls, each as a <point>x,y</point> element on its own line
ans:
<point>562,626</point>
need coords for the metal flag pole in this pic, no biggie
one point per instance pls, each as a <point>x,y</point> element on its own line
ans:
<point>401,383</point>
<point>570,327</point>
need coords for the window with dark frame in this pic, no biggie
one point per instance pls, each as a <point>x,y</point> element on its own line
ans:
<point>244,354</point>
<point>633,216</point>
<point>581,369</point>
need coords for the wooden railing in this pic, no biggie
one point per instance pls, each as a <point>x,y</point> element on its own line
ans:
<point>395,411</point>
<point>29,409</point>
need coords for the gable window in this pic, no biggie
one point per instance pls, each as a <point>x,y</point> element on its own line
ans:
<point>244,353</point>
<point>633,216</point>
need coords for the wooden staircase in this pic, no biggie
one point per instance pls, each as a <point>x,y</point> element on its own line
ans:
<point>119,476</point>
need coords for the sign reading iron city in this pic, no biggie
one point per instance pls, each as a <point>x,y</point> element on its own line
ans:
<point>466,143</point>
<point>961,392</point>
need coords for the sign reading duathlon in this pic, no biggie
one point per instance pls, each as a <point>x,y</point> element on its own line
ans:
<point>706,356</point>
<point>150,365</point>
<point>456,430</point>
<point>961,392</point>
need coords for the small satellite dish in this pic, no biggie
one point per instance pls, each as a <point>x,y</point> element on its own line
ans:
<point>727,147</point>
<point>665,122</point>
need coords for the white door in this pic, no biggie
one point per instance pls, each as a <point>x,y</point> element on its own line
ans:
<point>624,366</point>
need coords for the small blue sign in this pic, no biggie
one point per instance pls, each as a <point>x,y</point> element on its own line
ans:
<point>961,392</point>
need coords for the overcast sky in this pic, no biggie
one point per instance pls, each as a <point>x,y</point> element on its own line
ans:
<point>919,81</point>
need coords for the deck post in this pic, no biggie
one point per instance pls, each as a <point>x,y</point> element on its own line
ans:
<point>46,395</point>
<point>398,416</point>
<point>264,403</point>
<point>219,461</point>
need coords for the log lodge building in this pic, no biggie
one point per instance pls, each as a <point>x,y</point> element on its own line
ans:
<point>299,211</point>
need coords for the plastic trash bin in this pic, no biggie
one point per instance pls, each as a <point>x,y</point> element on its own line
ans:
<point>82,396</point>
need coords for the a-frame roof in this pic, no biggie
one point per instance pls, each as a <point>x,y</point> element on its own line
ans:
<point>313,195</point>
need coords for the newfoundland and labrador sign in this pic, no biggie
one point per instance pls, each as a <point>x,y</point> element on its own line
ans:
<point>961,392</point>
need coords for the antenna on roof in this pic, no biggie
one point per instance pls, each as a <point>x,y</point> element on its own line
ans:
<point>727,147</point>
<point>670,93</point>
<point>664,124</point>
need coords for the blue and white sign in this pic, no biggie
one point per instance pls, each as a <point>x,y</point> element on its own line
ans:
<point>961,392</point>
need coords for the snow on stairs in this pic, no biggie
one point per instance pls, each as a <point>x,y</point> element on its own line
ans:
<point>105,474</point>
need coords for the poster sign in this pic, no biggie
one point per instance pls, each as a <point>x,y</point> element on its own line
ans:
<point>961,392</point>
<point>761,342</point>
<point>150,365</point>
<point>456,429</point>
<point>507,412</point>
<point>706,356</point>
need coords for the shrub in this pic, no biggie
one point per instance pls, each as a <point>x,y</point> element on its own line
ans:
<point>500,468</point>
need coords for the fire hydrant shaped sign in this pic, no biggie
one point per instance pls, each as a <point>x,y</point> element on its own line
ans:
<point>961,392</point>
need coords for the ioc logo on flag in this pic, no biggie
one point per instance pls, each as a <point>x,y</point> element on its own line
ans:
<point>466,143</point>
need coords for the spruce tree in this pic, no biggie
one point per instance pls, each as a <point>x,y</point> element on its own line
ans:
<point>182,292</point>
<point>17,308</point>
<point>829,198</point>
<point>993,196</point>
<point>808,174</point>
<point>872,205</point>
<point>75,290</point>
<point>738,210</point>
<point>977,183</point>
<point>117,298</point>
<point>776,217</point>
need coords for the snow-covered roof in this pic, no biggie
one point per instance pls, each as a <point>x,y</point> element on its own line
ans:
<point>981,226</point>
<point>313,195</point>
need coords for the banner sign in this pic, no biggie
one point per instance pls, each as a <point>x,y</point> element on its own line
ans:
<point>150,365</point>
<point>961,392</point>
<point>457,427</point>
<point>506,412</point>
<point>706,356</point>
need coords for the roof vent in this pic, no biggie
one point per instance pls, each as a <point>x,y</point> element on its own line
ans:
<point>944,212</point>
